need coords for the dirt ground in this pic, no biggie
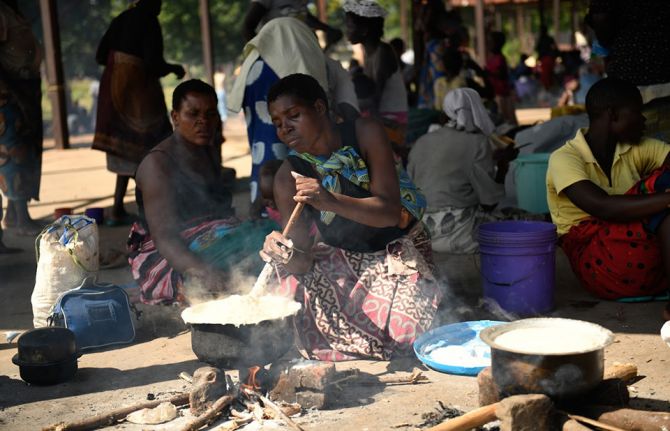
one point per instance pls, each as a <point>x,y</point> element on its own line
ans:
<point>149,367</point>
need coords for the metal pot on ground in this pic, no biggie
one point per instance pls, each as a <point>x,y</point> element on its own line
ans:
<point>240,347</point>
<point>47,356</point>
<point>560,375</point>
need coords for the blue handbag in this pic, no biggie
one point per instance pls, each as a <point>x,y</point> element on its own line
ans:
<point>98,314</point>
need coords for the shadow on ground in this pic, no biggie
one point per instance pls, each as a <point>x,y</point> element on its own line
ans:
<point>90,380</point>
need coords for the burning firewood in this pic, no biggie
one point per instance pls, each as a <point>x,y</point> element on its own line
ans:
<point>276,409</point>
<point>210,414</point>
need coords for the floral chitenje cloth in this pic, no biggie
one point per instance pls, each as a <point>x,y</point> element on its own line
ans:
<point>347,163</point>
<point>364,305</point>
<point>225,244</point>
<point>262,134</point>
<point>20,139</point>
<point>618,260</point>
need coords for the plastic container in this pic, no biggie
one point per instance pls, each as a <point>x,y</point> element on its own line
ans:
<point>470,354</point>
<point>518,265</point>
<point>96,214</point>
<point>531,185</point>
<point>59,212</point>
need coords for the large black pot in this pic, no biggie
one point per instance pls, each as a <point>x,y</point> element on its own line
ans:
<point>560,375</point>
<point>47,356</point>
<point>240,347</point>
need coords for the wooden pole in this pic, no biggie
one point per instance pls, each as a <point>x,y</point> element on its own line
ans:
<point>417,41</point>
<point>55,81</point>
<point>574,23</point>
<point>557,19</point>
<point>207,46</point>
<point>540,9</point>
<point>520,30</point>
<point>323,12</point>
<point>479,28</point>
<point>403,22</point>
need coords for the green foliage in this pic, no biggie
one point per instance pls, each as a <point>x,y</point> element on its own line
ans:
<point>180,21</point>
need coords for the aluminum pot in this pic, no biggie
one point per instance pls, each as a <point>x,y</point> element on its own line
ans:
<point>240,347</point>
<point>560,375</point>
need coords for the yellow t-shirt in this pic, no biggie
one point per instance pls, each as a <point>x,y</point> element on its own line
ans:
<point>574,162</point>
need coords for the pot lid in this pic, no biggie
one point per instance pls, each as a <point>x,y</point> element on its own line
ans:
<point>46,345</point>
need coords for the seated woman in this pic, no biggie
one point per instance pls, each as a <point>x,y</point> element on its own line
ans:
<point>455,167</point>
<point>368,288</point>
<point>607,193</point>
<point>188,236</point>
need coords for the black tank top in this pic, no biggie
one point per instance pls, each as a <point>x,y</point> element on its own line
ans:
<point>342,232</point>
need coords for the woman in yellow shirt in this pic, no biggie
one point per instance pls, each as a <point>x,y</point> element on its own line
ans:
<point>602,192</point>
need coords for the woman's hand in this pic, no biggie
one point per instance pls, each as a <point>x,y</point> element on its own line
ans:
<point>277,248</point>
<point>310,191</point>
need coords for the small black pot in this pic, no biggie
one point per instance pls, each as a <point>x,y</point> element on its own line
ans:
<point>47,356</point>
<point>239,347</point>
<point>47,374</point>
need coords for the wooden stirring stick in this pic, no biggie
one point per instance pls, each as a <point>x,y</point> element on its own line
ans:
<point>264,278</point>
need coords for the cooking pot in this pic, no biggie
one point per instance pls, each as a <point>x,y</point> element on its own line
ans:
<point>47,356</point>
<point>558,372</point>
<point>239,347</point>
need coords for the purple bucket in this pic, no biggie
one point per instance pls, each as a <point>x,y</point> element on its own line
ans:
<point>518,265</point>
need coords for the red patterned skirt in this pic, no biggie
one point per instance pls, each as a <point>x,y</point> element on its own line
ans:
<point>617,260</point>
<point>365,305</point>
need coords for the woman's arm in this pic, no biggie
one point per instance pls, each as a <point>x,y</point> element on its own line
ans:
<point>153,51</point>
<point>618,208</point>
<point>593,200</point>
<point>298,238</point>
<point>385,66</point>
<point>153,178</point>
<point>382,209</point>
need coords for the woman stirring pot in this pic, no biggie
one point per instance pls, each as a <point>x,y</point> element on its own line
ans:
<point>367,285</point>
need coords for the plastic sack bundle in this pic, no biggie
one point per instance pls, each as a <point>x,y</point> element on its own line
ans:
<point>67,252</point>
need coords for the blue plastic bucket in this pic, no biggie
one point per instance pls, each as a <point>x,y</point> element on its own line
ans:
<point>531,184</point>
<point>518,265</point>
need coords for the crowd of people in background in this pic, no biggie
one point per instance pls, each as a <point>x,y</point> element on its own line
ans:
<point>352,146</point>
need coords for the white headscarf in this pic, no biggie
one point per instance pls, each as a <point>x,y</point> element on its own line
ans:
<point>365,8</point>
<point>288,46</point>
<point>466,112</point>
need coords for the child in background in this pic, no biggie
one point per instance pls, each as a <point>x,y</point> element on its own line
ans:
<point>498,74</point>
<point>266,186</point>
<point>266,189</point>
<point>454,76</point>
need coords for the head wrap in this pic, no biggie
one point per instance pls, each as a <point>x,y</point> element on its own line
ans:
<point>288,46</point>
<point>364,8</point>
<point>466,112</point>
